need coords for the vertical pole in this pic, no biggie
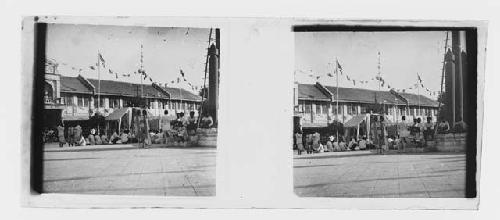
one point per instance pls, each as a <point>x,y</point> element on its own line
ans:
<point>337,95</point>
<point>98,85</point>
<point>142,70</point>
<point>418,91</point>
<point>204,92</point>
<point>378,67</point>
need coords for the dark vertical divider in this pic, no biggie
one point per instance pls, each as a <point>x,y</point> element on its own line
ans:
<point>36,165</point>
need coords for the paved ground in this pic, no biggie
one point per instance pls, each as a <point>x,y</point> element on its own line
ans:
<point>364,174</point>
<point>126,170</point>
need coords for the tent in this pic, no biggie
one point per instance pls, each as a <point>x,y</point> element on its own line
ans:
<point>118,116</point>
<point>354,123</point>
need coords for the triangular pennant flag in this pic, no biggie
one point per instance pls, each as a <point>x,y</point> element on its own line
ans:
<point>102,60</point>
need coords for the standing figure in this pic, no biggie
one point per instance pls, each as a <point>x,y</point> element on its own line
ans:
<point>78,135</point>
<point>165,127</point>
<point>142,135</point>
<point>71,136</point>
<point>60,134</point>
<point>403,133</point>
<point>298,142</point>
<point>316,139</point>
<point>429,129</point>
<point>309,143</point>
<point>191,124</point>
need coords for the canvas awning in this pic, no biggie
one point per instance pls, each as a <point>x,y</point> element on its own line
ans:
<point>75,117</point>
<point>117,114</point>
<point>355,121</point>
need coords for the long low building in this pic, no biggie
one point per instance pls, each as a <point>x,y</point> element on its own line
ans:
<point>77,98</point>
<point>315,104</point>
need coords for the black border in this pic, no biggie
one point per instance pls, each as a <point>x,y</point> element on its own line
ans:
<point>36,165</point>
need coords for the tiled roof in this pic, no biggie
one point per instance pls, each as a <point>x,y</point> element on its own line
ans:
<point>311,92</point>
<point>353,94</point>
<point>110,87</point>
<point>178,93</point>
<point>414,100</point>
<point>369,96</point>
<point>389,98</point>
<point>73,84</point>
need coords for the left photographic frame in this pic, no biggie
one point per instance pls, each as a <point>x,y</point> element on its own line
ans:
<point>122,110</point>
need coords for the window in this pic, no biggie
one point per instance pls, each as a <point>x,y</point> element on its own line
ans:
<point>80,101</point>
<point>114,103</point>
<point>354,109</point>
<point>97,102</point>
<point>325,108</point>
<point>364,109</point>
<point>68,100</point>
<point>336,110</point>
<point>318,109</point>
<point>307,109</point>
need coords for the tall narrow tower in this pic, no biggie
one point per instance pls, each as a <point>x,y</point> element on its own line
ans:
<point>213,82</point>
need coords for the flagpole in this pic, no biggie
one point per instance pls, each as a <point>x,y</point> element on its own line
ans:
<point>337,95</point>
<point>142,70</point>
<point>418,91</point>
<point>98,80</point>
<point>98,85</point>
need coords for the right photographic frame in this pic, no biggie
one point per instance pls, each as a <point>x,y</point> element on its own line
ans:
<point>386,111</point>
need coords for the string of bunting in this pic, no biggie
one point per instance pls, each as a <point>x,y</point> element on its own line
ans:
<point>140,72</point>
<point>380,79</point>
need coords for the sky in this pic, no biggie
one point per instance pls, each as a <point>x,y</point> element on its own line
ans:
<point>165,51</point>
<point>402,56</point>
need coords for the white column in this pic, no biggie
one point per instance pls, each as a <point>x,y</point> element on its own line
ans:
<point>106,103</point>
<point>91,103</point>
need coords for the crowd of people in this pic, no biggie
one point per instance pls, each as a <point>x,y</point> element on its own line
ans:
<point>416,133</point>
<point>171,130</point>
<point>312,143</point>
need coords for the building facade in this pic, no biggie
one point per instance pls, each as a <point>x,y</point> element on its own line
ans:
<point>316,104</point>
<point>79,98</point>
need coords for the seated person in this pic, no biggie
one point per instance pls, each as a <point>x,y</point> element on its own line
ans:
<point>98,140</point>
<point>104,139</point>
<point>124,137</point>
<point>362,144</point>
<point>206,121</point>
<point>91,139</point>
<point>342,145</point>
<point>114,138</point>
<point>336,146</point>
<point>329,144</point>
<point>352,144</point>
<point>81,142</point>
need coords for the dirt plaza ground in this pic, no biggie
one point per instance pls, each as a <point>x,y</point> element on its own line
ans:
<point>365,174</point>
<point>127,170</point>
